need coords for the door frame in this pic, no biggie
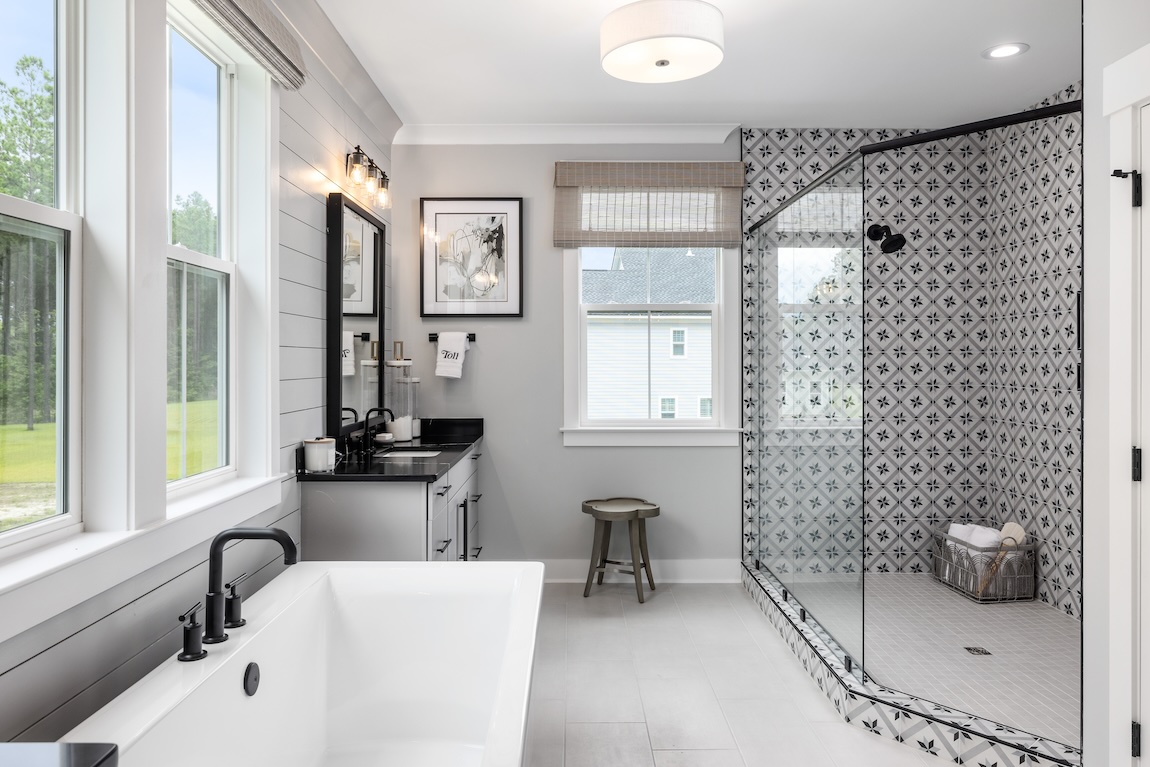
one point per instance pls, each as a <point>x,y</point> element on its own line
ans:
<point>1114,422</point>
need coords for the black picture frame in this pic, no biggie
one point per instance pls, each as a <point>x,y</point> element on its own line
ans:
<point>471,257</point>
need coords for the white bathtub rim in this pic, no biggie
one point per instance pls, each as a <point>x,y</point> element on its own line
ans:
<point>513,695</point>
<point>165,687</point>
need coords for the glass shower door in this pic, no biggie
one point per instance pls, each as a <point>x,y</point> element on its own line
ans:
<point>809,433</point>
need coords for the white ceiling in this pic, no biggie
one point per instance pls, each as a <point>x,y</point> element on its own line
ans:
<point>788,63</point>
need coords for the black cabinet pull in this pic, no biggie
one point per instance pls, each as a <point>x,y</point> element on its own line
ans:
<point>475,552</point>
<point>476,456</point>
<point>445,545</point>
<point>444,490</point>
<point>476,497</point>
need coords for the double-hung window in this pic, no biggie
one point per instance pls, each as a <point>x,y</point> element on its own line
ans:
<point>634,305</point>
<point>201,270</point>
<point>650,252</point>
<point>39,265</point>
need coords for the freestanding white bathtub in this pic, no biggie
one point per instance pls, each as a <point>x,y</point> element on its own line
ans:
<point>362,664</point>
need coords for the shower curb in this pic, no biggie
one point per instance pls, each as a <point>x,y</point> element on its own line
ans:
<point>934,729</point>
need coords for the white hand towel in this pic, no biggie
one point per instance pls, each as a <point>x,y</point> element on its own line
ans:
<point>449,358</point>
<point>347,353</point>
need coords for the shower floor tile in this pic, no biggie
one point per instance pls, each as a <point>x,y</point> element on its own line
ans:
<point>916,634</point>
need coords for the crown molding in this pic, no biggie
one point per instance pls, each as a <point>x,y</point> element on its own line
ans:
<point>558,133</point>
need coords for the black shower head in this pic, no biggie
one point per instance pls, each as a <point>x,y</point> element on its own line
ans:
<point>891,242</point>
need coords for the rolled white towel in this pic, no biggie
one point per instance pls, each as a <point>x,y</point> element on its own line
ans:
<point>981,537</point>
<point>347,353</point>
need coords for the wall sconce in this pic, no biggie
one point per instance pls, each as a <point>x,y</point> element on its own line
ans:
<point>363,173</point>
<point>384,194</point>
<point>357,166</point>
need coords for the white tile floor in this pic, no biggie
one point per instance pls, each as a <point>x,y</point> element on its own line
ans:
<point>695,677</point>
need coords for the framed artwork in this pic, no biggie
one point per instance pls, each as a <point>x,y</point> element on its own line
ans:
<point>471,257</point>
<point>360,245</point>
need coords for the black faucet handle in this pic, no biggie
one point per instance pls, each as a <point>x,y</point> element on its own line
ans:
<point>235,582</point>
<point>193,637</point>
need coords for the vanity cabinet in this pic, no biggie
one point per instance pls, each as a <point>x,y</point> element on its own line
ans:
<point>397,520</point>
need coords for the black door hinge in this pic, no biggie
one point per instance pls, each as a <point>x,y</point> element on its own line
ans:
<point>1135,185</point>
<point>1135,739</point>
<point>1078,377</point>
<point>1136,464</point>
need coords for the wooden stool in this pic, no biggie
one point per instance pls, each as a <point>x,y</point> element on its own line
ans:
<point>635,512</point>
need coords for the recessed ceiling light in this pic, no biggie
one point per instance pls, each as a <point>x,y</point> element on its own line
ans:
<point>1005,51</point>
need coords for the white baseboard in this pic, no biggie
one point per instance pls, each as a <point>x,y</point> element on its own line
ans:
<point>664,570</point>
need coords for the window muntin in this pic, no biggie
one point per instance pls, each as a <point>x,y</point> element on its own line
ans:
<point>33,372</point>
<point>200,290</point>
<point>705,407</point>
<point>667,407</point>
<point>636,304</point>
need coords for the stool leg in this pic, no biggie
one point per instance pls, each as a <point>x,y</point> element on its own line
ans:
<point>643,549</point>
<point>603,551</point>
<point>633,534</point>
<point>595,547</point>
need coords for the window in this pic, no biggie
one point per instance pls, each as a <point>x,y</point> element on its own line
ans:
<point>704,407</point>
<point>200,270</point>
<point>37,436</point>
<point>635,303</point>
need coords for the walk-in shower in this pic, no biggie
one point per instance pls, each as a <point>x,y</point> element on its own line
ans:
<point>911,360</point>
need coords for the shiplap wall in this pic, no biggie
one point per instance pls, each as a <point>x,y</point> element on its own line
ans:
<point>55,675</point>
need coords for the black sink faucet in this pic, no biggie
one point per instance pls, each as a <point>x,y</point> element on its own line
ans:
<point>368,432</point>
<point>214,614</point>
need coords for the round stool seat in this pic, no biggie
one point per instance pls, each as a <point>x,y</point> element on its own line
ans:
<point>620,509</point>
<point>635,512</point>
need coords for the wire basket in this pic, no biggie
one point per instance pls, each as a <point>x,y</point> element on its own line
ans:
<point>996,574</point>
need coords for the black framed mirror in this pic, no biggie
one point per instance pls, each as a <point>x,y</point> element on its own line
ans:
<point>355,305</point>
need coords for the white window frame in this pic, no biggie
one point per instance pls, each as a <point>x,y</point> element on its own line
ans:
<point>722,430</point>
<point>115,178</point>
<point>674,411</point>
<point>67,371</point>
<point>675,343</point>
<point>710,403</point>
<point>224,261</point>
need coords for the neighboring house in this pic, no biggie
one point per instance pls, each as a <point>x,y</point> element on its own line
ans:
<point>650,364</point>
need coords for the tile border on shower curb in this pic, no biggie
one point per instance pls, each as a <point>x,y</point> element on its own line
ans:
<point>935,729</point>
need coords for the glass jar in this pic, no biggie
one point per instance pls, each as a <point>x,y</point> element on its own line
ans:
<point>402,399</point>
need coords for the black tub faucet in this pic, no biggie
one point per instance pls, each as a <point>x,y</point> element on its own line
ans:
<point>214,614</point>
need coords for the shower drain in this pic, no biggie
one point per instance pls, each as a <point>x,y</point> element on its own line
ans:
<point>977,650</point>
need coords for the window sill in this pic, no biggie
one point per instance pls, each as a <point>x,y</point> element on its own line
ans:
<point>38,584</point>
<point>594,436</point>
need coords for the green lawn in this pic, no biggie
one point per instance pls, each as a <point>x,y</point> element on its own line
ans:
<point>203,429</point>
<point>28,461</point>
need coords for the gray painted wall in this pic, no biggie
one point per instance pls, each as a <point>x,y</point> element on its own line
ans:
<point>55,675</point>
<point>513,376</point>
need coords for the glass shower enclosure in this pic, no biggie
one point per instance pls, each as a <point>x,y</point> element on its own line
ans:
<point>807,381</point>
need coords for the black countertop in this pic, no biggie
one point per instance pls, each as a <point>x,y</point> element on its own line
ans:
<point>451,437</point>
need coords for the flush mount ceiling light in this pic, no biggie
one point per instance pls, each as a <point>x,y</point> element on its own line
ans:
<point>661,41</point>
<point>1005,51</point>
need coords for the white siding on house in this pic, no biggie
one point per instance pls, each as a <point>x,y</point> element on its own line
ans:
<point>630,367</point>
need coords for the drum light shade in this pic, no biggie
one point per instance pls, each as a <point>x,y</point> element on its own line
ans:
<point>661,41</point>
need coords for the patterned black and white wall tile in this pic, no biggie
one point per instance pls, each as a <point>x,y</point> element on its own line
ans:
<point>968,361</point>
<point>1034,422</point>
<point>925,349</point>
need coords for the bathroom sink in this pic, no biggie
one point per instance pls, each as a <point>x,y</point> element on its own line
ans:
<point>409,454</point>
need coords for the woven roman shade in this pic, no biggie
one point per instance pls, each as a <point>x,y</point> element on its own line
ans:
<point>255,27</point>
<point>648,204</point>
